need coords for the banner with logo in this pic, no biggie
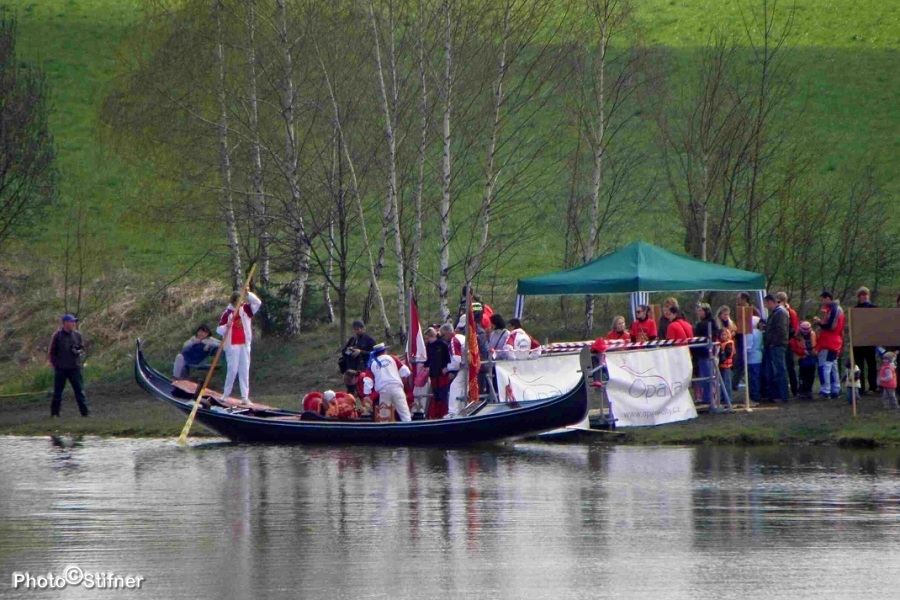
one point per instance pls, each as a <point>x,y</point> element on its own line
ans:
<point>650,387</point>
<point>539,378</point>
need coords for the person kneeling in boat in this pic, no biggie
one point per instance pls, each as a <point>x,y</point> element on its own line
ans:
<point>196,350</point>
<point>386,375</point>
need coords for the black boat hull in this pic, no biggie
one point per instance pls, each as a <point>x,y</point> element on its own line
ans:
<point>496,421</point>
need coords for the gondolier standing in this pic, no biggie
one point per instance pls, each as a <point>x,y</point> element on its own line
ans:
<point>237,343</point>
<point>65,355</point>
<point>385,376</point>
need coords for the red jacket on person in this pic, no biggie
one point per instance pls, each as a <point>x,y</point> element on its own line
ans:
<point>831,334</point>
<point>618,335</point>
<point>647,328</point>
<point>679,329</point>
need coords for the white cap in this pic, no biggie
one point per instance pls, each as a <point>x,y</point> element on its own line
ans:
<point>462,322</point>
<point>328,396</point>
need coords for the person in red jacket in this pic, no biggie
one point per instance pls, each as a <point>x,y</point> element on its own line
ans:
<point>678,328</point>
<point>829,345</point>
<point>803,347</point>
<point>618,331</point>
<point>887,378</point>
<point>644,328</point>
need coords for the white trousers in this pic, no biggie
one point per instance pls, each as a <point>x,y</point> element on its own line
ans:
<point>178,370</point>
<point>458,396</point>
<point>238,358</point>
<point>395,397</point>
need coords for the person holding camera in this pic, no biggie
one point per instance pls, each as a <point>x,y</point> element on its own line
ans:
<point>355,355</point>
<point>66,355</point>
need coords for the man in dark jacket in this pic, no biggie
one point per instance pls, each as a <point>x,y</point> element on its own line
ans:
<point>355,355</point>
<point>775,343</point>
<point>65,355</point>
<point>865,356</point>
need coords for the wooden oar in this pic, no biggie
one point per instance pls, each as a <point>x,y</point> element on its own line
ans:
<point>202,389</point>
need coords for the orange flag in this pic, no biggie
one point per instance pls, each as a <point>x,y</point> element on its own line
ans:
<point>472,347</point>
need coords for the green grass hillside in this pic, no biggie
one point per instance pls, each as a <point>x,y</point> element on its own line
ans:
<point>848,53</point>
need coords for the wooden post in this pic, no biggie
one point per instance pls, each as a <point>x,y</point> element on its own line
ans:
<point>850,374</point>
<point>746,323</point>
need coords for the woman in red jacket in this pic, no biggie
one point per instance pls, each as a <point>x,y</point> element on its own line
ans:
<point>644,328</point>
<point>618,331</point>
<point>678,328</point>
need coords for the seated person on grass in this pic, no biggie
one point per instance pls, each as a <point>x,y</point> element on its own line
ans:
<point>195,351</point>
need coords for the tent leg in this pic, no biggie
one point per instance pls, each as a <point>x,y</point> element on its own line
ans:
<point>519,309</point>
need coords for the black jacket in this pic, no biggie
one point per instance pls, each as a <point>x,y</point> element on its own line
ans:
<point>365,343</point>
<point>437,357</point>
<point>705,328</point>
<point>66,349</point>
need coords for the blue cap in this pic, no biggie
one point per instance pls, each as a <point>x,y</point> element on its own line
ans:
<point>380,347</point>
<point>69,319</point>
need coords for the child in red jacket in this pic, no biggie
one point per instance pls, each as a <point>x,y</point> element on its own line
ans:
<point>887,379</point>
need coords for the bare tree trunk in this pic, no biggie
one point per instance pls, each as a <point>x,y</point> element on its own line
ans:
<point>225,156</point>
<point>420,158</point>
<point>373,278</point>
<point>389,107</point>
<point>258,201</point>
<point>597,135</point>
<point>301,243</point>
<point>443,284</point>
<point>490,175</point>
<point>329,307</point>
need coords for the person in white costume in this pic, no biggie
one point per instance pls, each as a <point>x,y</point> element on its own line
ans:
<point>457,369</point>
<point>386,375</point>
<point>237,343</point>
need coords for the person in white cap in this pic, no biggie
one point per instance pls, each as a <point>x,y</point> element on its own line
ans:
<point>386,375</point>
<point>237,343</point>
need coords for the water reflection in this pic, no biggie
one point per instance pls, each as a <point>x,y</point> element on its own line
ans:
<point>520,521</point>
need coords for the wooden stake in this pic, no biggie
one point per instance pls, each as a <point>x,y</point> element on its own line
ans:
<point>850,374</point>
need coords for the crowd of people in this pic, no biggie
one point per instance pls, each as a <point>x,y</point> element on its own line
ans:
<point>784,355</point>
<point>443,377</point>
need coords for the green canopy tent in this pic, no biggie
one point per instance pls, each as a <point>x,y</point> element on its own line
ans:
<point>639,269</point>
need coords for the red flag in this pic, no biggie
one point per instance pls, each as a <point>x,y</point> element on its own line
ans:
<point>415,343</point>
<point>472,347</point>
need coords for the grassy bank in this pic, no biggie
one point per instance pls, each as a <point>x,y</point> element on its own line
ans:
<point>283,372</point>
<point>847,54</point>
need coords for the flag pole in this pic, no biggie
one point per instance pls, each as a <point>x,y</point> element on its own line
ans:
<point>202,389</point>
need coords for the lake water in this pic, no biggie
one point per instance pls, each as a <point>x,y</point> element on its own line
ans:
<point>519,521</point>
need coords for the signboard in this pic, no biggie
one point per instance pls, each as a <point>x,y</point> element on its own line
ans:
<point>650,387</point>
<point>875,326</point>
<point>543,377</point>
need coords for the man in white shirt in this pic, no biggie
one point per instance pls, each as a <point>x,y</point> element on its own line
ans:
<point>386,375</point>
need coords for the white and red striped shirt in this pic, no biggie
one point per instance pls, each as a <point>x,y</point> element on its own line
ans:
<point>384,371</point>
<point>518,340</point>
<point>242,330</point>
<point>457,353</point>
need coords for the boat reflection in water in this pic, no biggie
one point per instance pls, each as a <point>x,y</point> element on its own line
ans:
<point>525,520</point>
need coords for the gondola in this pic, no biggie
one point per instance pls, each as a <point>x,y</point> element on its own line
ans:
<point>480,423</point>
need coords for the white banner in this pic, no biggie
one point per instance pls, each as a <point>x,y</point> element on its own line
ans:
<point>650,387</point>
<point>543,377</point>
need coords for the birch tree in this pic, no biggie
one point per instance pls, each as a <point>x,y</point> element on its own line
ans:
<point>389,106</point>
<point>608,71</point>
<point>225,151</point>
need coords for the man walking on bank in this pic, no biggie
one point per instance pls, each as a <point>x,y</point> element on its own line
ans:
<point>66,355</point>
